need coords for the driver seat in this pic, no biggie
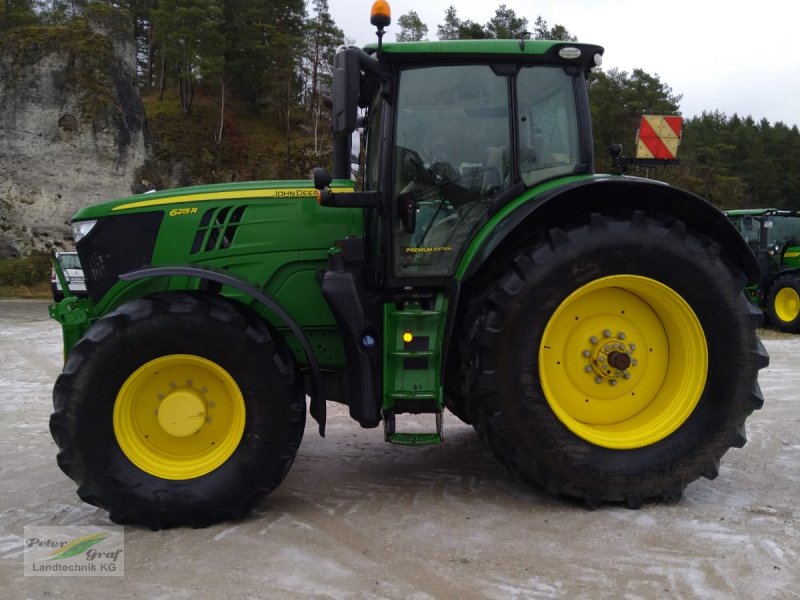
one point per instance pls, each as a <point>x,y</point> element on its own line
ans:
<point>496,173</point>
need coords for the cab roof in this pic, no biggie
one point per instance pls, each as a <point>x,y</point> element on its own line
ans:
<point>534,51</point>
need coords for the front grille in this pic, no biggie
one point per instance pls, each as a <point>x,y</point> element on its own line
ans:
<point>116,245</point>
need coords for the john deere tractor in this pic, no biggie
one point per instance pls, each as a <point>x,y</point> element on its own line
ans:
<point>592,328</point>
<point>774,237</point>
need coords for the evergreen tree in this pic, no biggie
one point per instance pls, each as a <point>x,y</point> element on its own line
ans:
<point>505,24</point>
<point>449,30</point>
<point>322,39</point>
<point>784,147</point>
<point>16,13</point>
<point>708,153</point>
<point>470,30</point>
<point>542,31</point>
<point>141,12</point>
<point>191,41</point>
<point>412,29</point>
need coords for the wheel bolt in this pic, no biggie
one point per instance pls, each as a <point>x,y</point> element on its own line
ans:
<point>634,362</point>
<point>607,348</point>
<point>602,359</point>
<point>586,353</point>
<point>588,368</point>
<point>606,333</point>
<point>613,382</point>
<point>632,347</point>
<point>626,375</point>
<point>598,379</point>
<point>593,340</point>
<point>621,335</point>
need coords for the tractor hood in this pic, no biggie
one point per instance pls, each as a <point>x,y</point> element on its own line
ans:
<point>252,226</point>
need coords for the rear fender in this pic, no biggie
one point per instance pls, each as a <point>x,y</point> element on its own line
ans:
<point>538,210</point>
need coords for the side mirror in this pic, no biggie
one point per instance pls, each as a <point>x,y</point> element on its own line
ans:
<point>346,80</point>
<point>617,162</point>
<point>322,179</point>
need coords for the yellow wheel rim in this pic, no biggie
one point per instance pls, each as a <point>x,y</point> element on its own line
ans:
<point>179,416</point>
<point>787,305</point>
<point>623,361</point>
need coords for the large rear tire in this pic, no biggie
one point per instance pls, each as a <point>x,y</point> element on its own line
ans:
<point>783,303</point>
<point>614,361</point>
<point>178,409</point>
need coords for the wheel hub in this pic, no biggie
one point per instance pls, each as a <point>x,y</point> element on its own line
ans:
<point>182,412</point>
<point>623,361</point>
<point>619,360</point>
<point>609,358</point>
<point>179,416</point>
<point>787,305</point>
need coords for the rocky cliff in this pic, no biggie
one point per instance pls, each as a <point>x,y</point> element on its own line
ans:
<point>72,125</point>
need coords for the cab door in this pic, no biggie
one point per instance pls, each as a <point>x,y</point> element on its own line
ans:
<point>452,151</point>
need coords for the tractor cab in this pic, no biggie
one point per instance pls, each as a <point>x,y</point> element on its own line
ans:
<point>452,138</point>
<point>770,233</point>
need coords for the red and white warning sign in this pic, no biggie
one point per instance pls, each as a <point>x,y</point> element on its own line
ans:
<point>658,137</point>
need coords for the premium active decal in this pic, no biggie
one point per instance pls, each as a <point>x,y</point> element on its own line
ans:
<point>415,250</point>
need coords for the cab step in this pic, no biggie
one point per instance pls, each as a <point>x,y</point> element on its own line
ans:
<point>412,382</point>
<point>411,438</point>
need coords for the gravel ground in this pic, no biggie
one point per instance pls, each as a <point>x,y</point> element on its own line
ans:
<point>357,518</point>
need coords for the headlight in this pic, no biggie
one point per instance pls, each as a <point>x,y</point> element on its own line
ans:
<point>81,229</point>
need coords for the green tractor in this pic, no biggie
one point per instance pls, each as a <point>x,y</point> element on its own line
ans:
<point>584,324</point>
<point>774,237</point>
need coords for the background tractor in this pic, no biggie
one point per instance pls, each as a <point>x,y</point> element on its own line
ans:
<point>584,324</point>
<point>774,237</point>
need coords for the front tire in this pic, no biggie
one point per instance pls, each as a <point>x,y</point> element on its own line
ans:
<point>783,303</point>
<point>177,409</point>
<point>614,361</point>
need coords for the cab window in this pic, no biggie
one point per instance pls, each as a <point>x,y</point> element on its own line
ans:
<point>548,132</point>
